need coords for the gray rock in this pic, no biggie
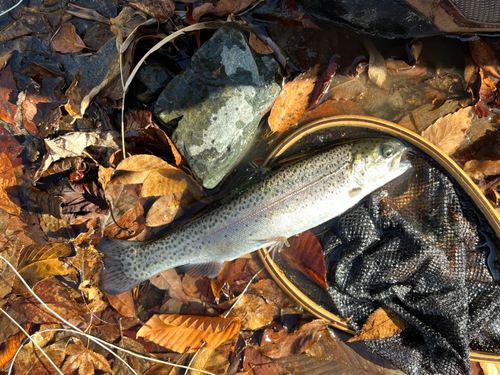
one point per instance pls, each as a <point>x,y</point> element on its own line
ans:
<point>151,80</point>
<point>213,108</point>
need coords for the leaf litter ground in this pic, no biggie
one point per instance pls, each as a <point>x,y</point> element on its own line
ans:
<point>64,183</point>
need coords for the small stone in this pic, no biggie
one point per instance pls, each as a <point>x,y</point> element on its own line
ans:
<point>213,108</point>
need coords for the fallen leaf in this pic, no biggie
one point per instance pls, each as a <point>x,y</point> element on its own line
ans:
<point>223,8</point>
<point>479,169</point>
<point>37,262</point>
<point>345,88</point>
<point>253,311</point>
<point>9,96</point>
<point>57,295</point>
<point>377,70</point>
<point>330,108</point>
<point>490,368</point>
<point>8,187</point>
<point>170,281</point>
<point>161,10</point>
<point>10,145</point>
<point>258,45</point>
<point>140,365</point>
<point>483,55</point>
<point>487,95</point>
<point>185,334</point>
<point>295,343</point>
<point>270,291</point>
<point>31,361</point>
<point>83,359</point>
<point>197,287</point>
<point>10,347</point>
<point>449,132</point>
<point>306,254</point>
<point>67,40</point>
<point>292,101</point>
<point>129,225</point>
<point>382,323</point>
<point>123,303</point>
<point>31,21</point>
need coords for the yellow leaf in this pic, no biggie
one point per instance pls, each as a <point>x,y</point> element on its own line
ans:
<point>382,323</point>
<point>450,132</point>
<point>490,368</point>
<point>186,333</point>
<point>37,262</point>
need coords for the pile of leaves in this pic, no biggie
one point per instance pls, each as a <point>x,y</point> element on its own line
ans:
<point>82,159</point>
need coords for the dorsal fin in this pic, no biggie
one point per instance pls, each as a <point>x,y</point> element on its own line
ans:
<point>208,269</point>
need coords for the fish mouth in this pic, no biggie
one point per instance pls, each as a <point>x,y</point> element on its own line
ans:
<point>401,162</point>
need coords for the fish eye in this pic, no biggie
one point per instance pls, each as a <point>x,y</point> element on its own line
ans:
<point>387,151</point>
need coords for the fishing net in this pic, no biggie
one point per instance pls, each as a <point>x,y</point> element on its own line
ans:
<point>421,247</point>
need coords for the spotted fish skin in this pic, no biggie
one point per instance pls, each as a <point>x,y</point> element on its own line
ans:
<point>295,198</point>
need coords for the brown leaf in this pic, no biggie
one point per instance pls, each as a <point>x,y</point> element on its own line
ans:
<point>295,343</point>
<point>185,334</point>
<point>123,303</point>
<point>223,8</point>
<point>382,323</point>
<point>11,346</point>
<point>487,95</point>
<point>478,169</point>
<point>8,187</point>
<point>253,311</point>
<point>490,368</point>
<point>67,40</point>
<point>449,132</point>
<point>161,10</point>
<point>56,294</point>
<point>83,359</point>
<point>30,22</point>
<point>128,225</point>
<point>8,96</point>
<point>306,254</point>
<point>37,262</point>
<point>345,88</point>
<point>10,145</point>
<point>330,108</point>
<point>292,101</point>
<point>484,56</point>
<point>31,361</point>
<point>170,281</point>
<point>197,287</point>
<point>258,45</point>
<point>377,70</point>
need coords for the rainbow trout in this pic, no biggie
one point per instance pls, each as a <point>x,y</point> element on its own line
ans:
<point>293,199</point>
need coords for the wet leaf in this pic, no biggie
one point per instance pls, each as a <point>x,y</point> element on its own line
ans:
<point>83,359</point>
<point>11,346</point>
<point>8,187</point>
<point>56,294</point>
<point>345,88</point>
<point>449,132</point>
<point>253,311</point>
<point>161,10</point>
<point>170,281</point>
<point>484,56</point>
<point>37,262</point>
<point>185,334</point>
<point>292,101</point>
<point>31,21</point>
<point>330,108</point>
<point>8,95</point>
<point>377,70</point>
<point>487,95</point>
<point>479,169</point>
<point>295,343</point>
<point>10,145</point>
<point>123,303</point>
<point>258,45</point>
<point>223,8</point>
<point>382,323</point>
<point>67,40</point>
<point>306,254</point>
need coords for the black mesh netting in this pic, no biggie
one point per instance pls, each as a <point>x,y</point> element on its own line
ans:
<point>421,248</point>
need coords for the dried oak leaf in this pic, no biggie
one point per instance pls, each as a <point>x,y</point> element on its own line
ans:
<point>292,101</point>
<point>295,343</point>
<point>223,8</point>
<point>83,359</point>
<point>478,169</point>
<point>123,303</point>
<point>161,10</point>
<point>306,254</point>
<point>186,334</point>
<point>484,56</point>
<point>11,346</point>
<point>31,361</point>
<point>67,40</point>
<point>450,132</point>
<point>382,323</point>
<point>170,281</point>
<point>253,311</point>
<point>54,293</point>
<point>37,262</point>
<point>8,187</point>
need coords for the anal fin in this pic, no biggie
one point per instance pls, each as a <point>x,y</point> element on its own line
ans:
<point>208,269</point>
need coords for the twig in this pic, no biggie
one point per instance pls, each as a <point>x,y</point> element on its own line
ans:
<point>11,8</point>
<point>242,293</point>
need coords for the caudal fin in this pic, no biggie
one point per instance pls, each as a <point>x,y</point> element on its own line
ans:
<point>114,279</point>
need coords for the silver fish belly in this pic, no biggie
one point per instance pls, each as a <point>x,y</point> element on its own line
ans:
<point>295,198</point>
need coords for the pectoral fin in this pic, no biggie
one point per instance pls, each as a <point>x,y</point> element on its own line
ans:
<point>209,269</point>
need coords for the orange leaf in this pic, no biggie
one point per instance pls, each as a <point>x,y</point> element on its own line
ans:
<point>484,56</point>
<point>186,334</point>
<point>292,101</point>
<point>123,303</point>
<point>10,346</point>
<point>67,40</point>
<point>170,281</point>
<point>490,368</point>
<point>382,323</point>
<point>8,187</point>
